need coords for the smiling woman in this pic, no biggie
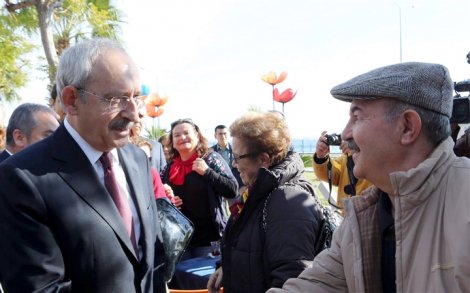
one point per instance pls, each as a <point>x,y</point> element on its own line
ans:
<point>201,180</point>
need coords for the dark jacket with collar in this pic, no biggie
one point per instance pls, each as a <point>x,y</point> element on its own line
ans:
<point>64,230</point>
<point>4,155</point>
<point>220,184</point>
<point>254,259</point>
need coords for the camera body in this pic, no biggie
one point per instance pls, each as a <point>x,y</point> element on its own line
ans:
<point>461,104</point>
<point>333,139</point>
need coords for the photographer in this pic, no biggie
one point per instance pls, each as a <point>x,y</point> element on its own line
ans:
<point>341,173</point>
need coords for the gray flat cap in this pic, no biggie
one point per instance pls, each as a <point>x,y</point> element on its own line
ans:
<point>424,85</point>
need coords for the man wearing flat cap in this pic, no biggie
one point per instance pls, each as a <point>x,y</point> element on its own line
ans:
<point>410,232</point>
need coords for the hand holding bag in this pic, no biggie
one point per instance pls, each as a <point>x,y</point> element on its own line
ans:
<point>177,231</point>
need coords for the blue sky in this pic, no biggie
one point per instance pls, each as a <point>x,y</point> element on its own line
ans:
<point>208,55</point>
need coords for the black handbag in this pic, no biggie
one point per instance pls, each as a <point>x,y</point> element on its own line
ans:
<point>331,220</point>
<point>177,231</point>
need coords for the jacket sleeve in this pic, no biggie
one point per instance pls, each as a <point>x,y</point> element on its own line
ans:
<point>220,176</point>
<point>292,226</point>
<point>24,224</point>
<point>326,275</point>
<point>321,170</point>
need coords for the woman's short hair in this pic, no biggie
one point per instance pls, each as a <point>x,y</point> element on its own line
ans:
<point>263,133</point>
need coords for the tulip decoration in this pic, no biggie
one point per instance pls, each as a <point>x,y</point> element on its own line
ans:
<point>154,105</point>
<point>273,79</point>
<point>284,97</point>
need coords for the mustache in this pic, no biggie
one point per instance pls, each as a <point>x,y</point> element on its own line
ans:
<point>352,145</point>
<point>121,124</point>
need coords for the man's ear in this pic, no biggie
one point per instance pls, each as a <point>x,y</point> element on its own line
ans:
<point>19,139</point>
<point>70,99</point>
<point>411,127</point>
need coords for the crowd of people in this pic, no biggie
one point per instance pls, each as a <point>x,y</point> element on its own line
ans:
<point>78,183</point>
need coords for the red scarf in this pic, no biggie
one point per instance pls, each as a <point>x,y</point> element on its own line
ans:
<point>179,169</point>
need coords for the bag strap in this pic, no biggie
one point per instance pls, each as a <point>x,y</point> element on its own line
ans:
<point>330,176</point>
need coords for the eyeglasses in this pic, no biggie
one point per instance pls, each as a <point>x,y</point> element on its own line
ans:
<point>117,103</point>
<point>236,158</point>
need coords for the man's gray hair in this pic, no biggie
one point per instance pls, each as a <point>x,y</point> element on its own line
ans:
<point>435,126</point>
<point>77,62</point>
<point>23,119</point>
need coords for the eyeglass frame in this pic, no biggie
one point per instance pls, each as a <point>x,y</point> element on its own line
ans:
<point>235,158</point>
<point>137,100</point>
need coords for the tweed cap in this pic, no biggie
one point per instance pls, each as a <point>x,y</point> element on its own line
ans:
<point>425,85</point>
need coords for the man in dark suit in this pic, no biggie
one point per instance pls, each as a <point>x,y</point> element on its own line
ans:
<point>29,123</point>
<point>62,227</point>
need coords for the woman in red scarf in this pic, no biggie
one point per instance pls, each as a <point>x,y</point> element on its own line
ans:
<point>200,180</point>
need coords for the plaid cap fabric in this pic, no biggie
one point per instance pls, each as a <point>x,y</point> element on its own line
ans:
<point>424,85</point>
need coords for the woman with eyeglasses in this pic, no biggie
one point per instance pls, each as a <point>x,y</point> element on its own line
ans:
<point>200,180</point>
<point>272,231</point>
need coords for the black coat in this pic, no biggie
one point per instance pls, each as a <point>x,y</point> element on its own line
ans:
<point>254,259</point>
<point>60,229</point>
<point>4,155</point>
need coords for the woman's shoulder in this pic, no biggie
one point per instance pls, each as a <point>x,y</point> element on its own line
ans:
<point>291,198</point>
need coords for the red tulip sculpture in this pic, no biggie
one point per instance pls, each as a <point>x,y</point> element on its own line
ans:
<point>284,97</point>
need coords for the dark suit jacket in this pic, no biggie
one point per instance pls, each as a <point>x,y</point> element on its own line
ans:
<point>157,156</point>
<point>61,230</point>
<point>4,155</point>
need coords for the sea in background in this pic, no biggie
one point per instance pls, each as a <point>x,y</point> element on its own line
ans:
<point>307,146</point>
<point>303,146</point>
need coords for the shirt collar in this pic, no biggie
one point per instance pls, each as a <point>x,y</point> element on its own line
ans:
<point>91,153</point>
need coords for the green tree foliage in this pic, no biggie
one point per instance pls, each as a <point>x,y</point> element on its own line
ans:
<point>14,46</point>
<point>59,23</point>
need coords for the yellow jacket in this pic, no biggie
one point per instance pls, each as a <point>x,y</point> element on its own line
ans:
<point>339,176</point>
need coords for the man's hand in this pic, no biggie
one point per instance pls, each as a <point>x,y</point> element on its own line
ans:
<point>322,149</point>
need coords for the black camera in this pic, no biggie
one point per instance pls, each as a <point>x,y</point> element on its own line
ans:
<point>461,105</point>
<point>333,139</point>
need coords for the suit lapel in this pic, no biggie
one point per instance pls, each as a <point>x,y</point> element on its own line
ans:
<point>77,171</point>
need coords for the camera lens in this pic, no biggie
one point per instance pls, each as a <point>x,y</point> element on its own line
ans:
<point>333,139</point>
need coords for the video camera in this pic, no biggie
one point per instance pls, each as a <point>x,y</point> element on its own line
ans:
<point>333,139</point>
<point>461,106</point>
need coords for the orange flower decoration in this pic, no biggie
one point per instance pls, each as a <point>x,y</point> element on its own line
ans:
<point>156,100</point>
<point>154,104</point>
<point>285,96</point>
<point>154,111</point>
<point>272,78</point>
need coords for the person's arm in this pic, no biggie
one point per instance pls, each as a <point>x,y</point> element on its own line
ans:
<point>220,176</point>
<point>30,257</point>
<point>321,169</point>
